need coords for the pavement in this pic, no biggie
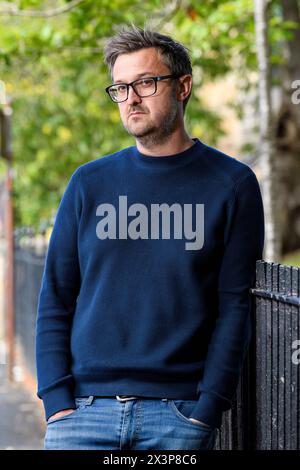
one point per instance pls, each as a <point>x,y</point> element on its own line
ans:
<point>22,425</point>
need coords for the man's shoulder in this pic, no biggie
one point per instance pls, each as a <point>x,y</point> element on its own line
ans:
<point>103,162</point>
<point>227,168</point>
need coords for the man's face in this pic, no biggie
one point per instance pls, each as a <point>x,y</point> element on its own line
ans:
<point>161,110</point>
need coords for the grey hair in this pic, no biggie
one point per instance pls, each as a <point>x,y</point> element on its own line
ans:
<point>133,38</point>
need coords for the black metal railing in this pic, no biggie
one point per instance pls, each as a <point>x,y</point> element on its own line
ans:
<point>28,272</point>
<point>266,412</point>
<point>277,373</point>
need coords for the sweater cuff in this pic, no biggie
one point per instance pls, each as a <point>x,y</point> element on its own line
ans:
<point>60,398</point>
<point>209,409</point>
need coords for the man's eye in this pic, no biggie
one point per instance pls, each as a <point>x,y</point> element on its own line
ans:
<point>146,82</point>
<point>121,88</point>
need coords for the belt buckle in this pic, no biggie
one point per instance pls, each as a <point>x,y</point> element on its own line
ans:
<point>125,398</point>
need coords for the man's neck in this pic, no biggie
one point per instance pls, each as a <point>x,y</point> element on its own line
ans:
<point>175,144</point>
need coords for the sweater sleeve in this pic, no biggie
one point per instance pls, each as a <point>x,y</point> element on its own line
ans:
<point>243,245</point>
<point>56,304</point>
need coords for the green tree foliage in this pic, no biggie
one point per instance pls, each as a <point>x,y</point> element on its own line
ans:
<point>54,71</point>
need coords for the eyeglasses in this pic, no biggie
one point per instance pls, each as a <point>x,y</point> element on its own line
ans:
<point>143,87</point>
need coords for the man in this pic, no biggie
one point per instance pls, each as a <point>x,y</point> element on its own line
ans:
<point>144,310</point>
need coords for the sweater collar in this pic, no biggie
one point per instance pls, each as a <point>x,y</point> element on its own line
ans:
<point>167,161</point>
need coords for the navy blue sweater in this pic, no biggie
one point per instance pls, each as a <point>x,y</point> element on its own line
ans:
<point>145,289</point>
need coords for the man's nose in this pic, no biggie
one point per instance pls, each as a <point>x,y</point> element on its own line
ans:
<point>133,97</point>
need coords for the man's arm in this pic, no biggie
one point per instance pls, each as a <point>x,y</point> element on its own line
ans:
<point>244,241</point>
<point>56,304</point>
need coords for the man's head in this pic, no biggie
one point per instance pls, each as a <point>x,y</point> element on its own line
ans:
<point>136,53</point>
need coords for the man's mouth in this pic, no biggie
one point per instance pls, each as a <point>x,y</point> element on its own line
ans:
<point>136,113</point>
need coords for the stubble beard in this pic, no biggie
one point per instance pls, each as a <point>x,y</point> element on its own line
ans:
<point>152,135</point>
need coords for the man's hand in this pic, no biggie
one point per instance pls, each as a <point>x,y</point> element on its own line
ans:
<point>61,413</point>
<point>198,421</point>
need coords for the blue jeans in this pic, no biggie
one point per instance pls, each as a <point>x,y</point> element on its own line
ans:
<point>101,423</point>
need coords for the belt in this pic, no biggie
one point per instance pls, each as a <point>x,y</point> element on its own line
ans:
<point>129,397</point>
<point>126,397</point>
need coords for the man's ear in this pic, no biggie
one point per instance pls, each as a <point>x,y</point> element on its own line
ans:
<point>184,87</point>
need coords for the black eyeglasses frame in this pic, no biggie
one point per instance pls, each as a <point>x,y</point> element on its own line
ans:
<point>156,79</point>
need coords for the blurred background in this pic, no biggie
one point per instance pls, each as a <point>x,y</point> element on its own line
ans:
<point>55,115</point>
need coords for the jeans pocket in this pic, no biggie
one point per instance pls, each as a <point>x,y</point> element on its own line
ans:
<point>182,410</point>
<point>80,403</point>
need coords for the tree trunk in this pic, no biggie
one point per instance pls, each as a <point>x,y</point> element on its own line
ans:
<point>272,249</point>
<point>287,136</point>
